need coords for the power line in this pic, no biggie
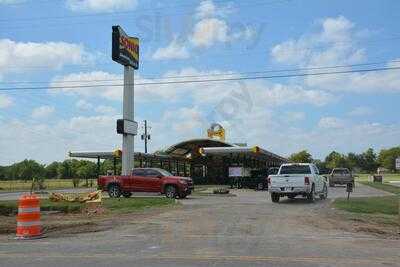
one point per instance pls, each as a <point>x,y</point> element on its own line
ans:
<point>203,81</point>
<point>135,12</point>
<point>211,74</point>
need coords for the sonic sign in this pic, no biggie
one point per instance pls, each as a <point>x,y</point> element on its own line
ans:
<point>125,49</point>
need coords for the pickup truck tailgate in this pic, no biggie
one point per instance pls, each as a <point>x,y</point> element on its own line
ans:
<point>287,180</point>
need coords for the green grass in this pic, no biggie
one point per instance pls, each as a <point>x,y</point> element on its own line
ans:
<point>386,177</point>
<point>385,187</point>
<point>126,205</point>
<point>369,205</point>
<point>121,205</point>
<point>10,207</point>
<point>20,185</point>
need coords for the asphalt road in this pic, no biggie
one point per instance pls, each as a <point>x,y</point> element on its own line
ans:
<point>247,230</point>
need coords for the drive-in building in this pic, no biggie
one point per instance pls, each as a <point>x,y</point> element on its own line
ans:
<point>206,160</point>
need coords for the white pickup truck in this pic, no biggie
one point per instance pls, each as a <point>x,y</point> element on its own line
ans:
<point>297,179</point>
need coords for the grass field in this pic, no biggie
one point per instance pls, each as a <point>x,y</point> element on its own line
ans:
<point>373,205</point>
<point>384,187</point>
<point>20,185</point>
<point>121,205</point>
<point>386,177</point>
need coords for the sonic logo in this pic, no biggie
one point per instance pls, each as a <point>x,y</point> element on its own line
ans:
<point>131,45</point>
<point>125,49</point>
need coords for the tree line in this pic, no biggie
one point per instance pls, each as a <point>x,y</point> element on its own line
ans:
<point>366,162</point>
<point>67,169</point>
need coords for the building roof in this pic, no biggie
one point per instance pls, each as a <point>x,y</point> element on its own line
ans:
<point>255,151</point>
<point>186,149</point>
<point>183,148</point>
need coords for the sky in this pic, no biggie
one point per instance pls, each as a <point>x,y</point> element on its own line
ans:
<point>68,42</point>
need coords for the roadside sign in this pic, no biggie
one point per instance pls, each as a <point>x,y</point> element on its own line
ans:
<point>235,171</point>
<point>125,49</point>
<point>398,164</point>
<point>127,127</point>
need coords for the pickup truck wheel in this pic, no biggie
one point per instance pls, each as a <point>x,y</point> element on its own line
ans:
<point>114,191</point>
<point>170,191</point>
<point>127,194</point>
<point>311,195</point>
<point>275,197</point>
<point>324,194</point>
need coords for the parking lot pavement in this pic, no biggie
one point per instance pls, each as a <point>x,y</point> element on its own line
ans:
<point>247,230</point>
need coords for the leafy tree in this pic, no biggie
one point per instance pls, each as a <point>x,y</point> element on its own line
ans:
<point>387,157</point>
<point>335,160</point>
<point>321,166</point>
<point>51,170</point>
<point>64,170</point>
<point>369,161</point>
<point>353,161</point>
<point>301,157</point>
<point>25,170</point>
<point>3,173</point>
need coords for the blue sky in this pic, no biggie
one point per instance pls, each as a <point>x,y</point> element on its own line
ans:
<point>48,43</point>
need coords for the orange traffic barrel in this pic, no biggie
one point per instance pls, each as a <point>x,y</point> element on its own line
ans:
<point>28,219</point>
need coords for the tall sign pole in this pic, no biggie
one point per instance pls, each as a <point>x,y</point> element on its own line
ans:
<point>125,50</point>
<point>128,115</point>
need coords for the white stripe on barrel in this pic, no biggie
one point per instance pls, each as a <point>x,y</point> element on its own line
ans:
<point>34,223</point>
<point>28,210</point>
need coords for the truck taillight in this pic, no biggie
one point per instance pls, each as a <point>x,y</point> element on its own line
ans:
<point>306,180</point>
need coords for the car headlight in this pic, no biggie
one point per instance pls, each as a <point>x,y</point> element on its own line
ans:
<point>183,181</point>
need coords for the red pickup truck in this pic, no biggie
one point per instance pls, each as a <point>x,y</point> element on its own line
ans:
<point>146,180</point>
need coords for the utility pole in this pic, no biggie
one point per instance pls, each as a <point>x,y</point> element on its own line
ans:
<point>145,136</point>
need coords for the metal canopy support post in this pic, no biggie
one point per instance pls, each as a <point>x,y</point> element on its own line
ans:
<point>115,165</point>
<point>128,114</point>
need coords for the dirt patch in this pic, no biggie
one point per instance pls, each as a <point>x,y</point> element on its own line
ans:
<point>57,224</point>
<point>380,225</point>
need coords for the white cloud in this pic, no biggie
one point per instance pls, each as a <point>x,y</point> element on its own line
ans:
<point>279,94</point>
<point>42,112</point>
<point>5,101</point>
<point>212,26</point>
<point>330,123</point>
<point>336,44</point>
<point>83,105</point>
<point>293,116</point>
<point>208,31</point>
<point>109,91</point>
<point>208,9</point>
<point>199,93</point>
<point>337,29</point>
<point>100,5</point>
<point>107,110</point>
<point>20,56</point>
<point>361,111</point>
<point>174,50</point>
<point>48,142</point>
<point>7,2</point>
